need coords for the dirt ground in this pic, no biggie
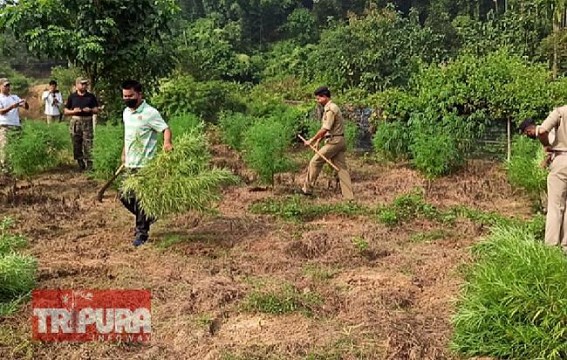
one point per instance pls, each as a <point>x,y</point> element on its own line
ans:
<point>201,270</point>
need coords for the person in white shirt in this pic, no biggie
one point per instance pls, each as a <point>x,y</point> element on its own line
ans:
<point>9,116</point>
<point>53,102</point>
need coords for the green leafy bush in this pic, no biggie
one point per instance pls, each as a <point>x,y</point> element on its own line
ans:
<point>448,107</point>
<point>20,83</point>
<point>265,144</point>
<point>524,170</point>
<point>107,150</point>
<point>65,78</point>
<point>375,51</point>
<point>436,153</point>
<point>392,139</point>
<point>513,304</point>
<point>185,123</point>
<point>182,94</point>
<point>209,51</point>
<point>38,147</point>
<point>180,180</point>
<point>233,126</point>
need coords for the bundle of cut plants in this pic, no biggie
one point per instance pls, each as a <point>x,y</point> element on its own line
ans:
<point>180,180</point>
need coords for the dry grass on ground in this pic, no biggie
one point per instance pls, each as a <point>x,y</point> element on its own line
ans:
<point>219,283</point>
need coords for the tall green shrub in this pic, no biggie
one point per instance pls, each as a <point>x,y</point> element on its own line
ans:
<point>233,126</point>
<point>107,150</point>
<point>182,94</point>
<point>265,144</point>
<point>185,123</point>
<point>38,147</point>
<point>453,104</point>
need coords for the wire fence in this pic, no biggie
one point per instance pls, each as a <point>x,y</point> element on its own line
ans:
<point>493,144</point>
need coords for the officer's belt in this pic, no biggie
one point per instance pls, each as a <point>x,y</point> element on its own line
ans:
<point>330,136</point>
<point>82,117</point>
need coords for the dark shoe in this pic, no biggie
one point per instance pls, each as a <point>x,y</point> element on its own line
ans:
<point>140,240</point>
<point>89,165</point>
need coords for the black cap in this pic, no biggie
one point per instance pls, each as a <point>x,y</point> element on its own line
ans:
<point>525,124</point>
<point>323,91</point>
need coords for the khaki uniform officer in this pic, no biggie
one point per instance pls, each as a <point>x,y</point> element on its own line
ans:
<point>556,221</point>
<point>332,129</point>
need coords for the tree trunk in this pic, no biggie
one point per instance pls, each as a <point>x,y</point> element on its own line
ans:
<point>556,29</point>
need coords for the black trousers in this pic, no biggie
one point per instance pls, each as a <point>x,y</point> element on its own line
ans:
<point>143,222</point>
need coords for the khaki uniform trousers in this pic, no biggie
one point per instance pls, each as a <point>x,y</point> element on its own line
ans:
<point>556,221</point>
<point>334,150</point>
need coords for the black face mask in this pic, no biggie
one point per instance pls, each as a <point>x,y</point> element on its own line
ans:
<point>131,103</point>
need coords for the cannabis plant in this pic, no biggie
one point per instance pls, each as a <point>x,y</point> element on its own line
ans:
<point>180,180</point>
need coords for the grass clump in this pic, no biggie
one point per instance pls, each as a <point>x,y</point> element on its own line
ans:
<point>37,148</point>
<point>429,236</point>
<point>407,207</point>
<point>17,275</point>
<point>10,242</point>
<point>281,300</point>
<point>297,208</point>
<point>17,271</point>
<point>180,180</point>
<point>319,272</point>
<point>514,301</point>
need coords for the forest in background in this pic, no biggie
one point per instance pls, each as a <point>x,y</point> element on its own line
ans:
<point>421,66</point>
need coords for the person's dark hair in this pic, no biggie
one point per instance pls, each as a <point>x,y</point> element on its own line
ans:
<point>323,91</point>
<point>53,82</point>
<point>525,124</point>
<point>132,85</point>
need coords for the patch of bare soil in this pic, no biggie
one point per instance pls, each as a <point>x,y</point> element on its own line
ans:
<point>390,299</point>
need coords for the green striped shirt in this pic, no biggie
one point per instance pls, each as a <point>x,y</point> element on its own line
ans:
<point>141,129</point>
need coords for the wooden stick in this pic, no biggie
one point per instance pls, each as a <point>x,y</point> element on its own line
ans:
<point>319,153</point>
<point>100,193</point>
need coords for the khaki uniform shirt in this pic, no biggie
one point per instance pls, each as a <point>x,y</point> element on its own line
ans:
<point>555,122</point>
<point>333,120</point>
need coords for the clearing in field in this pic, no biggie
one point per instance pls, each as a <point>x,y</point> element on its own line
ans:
<point>272,275</point>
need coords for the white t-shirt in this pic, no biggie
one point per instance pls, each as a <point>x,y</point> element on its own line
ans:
<point>48,98</point>
<point>12,117</point>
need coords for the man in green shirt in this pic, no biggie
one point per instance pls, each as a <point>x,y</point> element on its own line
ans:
<point>142,124</point>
